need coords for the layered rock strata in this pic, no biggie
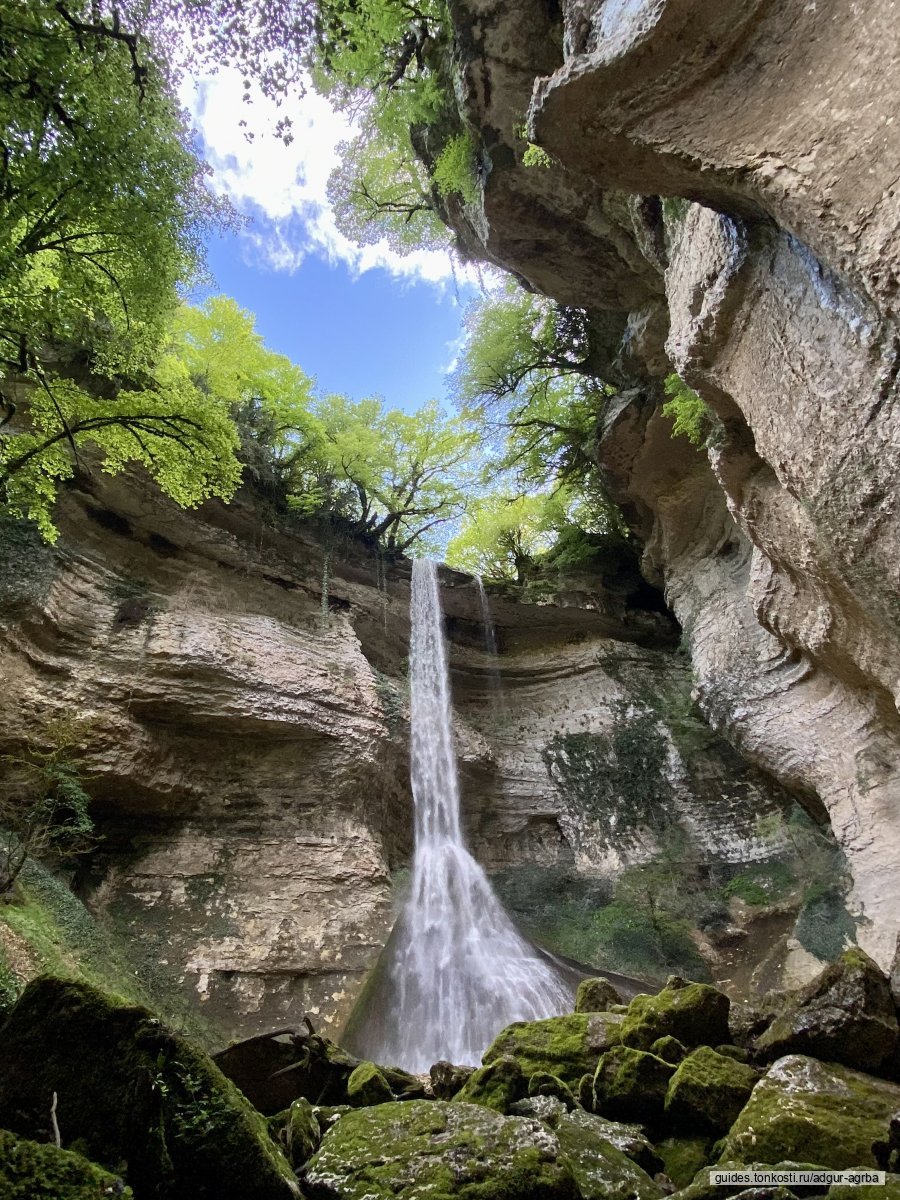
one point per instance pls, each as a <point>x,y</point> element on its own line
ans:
<point>723,194</point>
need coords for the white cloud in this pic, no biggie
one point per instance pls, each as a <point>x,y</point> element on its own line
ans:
<point>283,189</point>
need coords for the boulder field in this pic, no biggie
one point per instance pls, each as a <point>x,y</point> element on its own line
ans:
<point>632,1102</point>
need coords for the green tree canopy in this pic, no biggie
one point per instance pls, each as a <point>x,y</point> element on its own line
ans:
<point>103,217</point>
<point>394,476</point>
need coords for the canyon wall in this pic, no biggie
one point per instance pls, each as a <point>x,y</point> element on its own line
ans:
<point>245,708</point>
<point>722,198</point>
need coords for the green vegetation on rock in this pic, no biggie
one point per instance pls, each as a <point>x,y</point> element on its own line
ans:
<point>804,1110</point>
<point>129,1090</point>
<point>695,1013</point>
<point>29,1171</point>
<point>630,1085</point>
<point>367,1085</point>
<point>708,1091</point>
<point>498,1085</point>
<point>567,1047</point>
<point>404,1151</point>
<point>595,995</point>
<point>683,1157</point>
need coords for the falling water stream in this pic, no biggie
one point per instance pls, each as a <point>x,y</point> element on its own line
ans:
<point>455,970</point>
<point>490,646</point>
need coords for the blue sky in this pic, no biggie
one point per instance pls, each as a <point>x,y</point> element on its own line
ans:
<point>361,320</point>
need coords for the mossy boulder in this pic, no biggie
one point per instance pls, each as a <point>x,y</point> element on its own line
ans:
<point>129,1090</point>
<point>683,1157</point>
<point>29,1171</point>
<point>738,1053</point>
<point>708,1091</point>
<point>542,1083</point>
<point>631,1085</point>
<point>846,1015</point>
<point>419,1148</point>
<point>825,1114</point>
<point>497,1085</point>
<point>404,1084</point>
<point>629,1138</point>
<point>889,1190</point>
<point>585,1092</point>
<point>694,1013</point>
<point>297,1131</point>
<point>447,1079</point>
<point>367,1085</point>
<point>669,1049</point>
<point>567,1047</point>
<point>601,1170</point>
<point>595,995</point>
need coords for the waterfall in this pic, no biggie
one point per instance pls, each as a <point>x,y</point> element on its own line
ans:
<point>490,646</point>
<point>456,970</point>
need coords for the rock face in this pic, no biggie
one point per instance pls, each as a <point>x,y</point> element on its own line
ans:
<point>725,205</point>
<point>247,755</point>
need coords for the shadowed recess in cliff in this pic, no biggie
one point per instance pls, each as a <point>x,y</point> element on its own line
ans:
<point>455,970</point>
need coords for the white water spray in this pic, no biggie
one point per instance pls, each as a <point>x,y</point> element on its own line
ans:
<point>456,970</point>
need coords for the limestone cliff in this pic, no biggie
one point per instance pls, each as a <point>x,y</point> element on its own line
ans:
<point>723,199</point>
<point>245,690</point>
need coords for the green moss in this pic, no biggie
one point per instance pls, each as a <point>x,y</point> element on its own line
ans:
<point>630,1085</point>
<point>595,995</point>
<point>10,986</point>
<point>804,1109</point>
<point>66,940</point>
<point>708,1091</point>
<point>563,1046</point>
<point>618,778</point>
<point>669,1049</point>
<point>131,1091</point>
<point>683,1157</point>
<point>696,1014</point>
<point>763,883</point>
<point>419,1148</point>
<point>824,927</point>
<point>297,1131</point>
<point>367,1085</point>
<point>29,1171</point>
<point>498,1085</point>
<point>542,1083</point>
<point>601,1169</point>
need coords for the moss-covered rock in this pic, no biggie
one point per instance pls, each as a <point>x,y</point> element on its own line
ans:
<point>367,1085</point>
<point>669,1049</point>
<point>889,1190</point>
<point>738,1053</point>
<point>601,1170</point>
<point>707,1091</point>
<point>129,1090</point>
<point>846,1015</point>
<point>497,1085</point>
<point>542,1083</point>
<point>694,1013</point>
<point>683,1157</point>
<point>585,1092</point>
<point>630,1139</point>
<point>447,1079</point>
<point>407,1151</point>
<point>825,1114</point>
<point>630,1085</point>
<point>595,995</point>
<point>404,1084</point>
<point>29,1171</point>
<point>297,1131</point>
<point>565,1046</point>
